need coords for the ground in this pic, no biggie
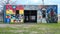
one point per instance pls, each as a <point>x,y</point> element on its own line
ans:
<point>31,28</point>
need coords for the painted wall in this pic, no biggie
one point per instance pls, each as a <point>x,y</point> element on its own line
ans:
<point>51,14</point>
<point>11,13</point>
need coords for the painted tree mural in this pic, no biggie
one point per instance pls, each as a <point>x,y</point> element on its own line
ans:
<point>2,4</point>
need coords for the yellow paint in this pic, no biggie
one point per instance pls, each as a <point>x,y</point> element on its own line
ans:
<point>6,16</point>
<point>9,12</point>
<point>21,20</point>
<point>21,11</point>
<point>12,20</point>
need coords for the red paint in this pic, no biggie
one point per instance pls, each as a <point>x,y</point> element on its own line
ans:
<point>14,20</point>
<point>52,13</point>
<point>19,7</point>
<point>8,6</point>
<point>8,16</point>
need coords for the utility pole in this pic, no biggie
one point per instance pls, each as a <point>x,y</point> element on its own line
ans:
<point>42,2</point>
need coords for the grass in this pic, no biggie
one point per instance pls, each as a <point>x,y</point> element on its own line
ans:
<point>53,28</point>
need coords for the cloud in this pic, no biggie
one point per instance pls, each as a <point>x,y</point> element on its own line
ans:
<point>29,2</point>
<point>34,1</point>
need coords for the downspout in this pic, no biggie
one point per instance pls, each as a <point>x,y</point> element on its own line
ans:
<point>4,10</point>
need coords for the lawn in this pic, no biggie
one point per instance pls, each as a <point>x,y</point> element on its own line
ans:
<point>53,28</point>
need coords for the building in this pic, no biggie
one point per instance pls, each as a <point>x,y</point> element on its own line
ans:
<point>30,14</point>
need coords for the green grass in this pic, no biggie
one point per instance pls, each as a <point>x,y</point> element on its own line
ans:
<point>53,28</point>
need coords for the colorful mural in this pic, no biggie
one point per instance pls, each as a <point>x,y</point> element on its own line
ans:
<point>49,14</point>
<point>14,13</point>
<point>52,14</point>
<point>45,14</point>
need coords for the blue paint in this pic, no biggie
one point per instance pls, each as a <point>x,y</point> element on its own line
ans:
<point>7,20</point>
<point>4,14</point>
<point>54,7</point>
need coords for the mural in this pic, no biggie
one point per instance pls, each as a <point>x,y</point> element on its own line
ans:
<point>14,13</point>
<point>45,14</point>
<point>52,14</point>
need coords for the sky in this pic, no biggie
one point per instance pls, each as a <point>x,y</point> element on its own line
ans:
<point>39,2</point>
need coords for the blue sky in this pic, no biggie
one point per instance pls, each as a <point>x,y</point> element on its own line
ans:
<point>39,2</point>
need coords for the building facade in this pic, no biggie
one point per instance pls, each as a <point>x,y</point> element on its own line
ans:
<point>30,14</point>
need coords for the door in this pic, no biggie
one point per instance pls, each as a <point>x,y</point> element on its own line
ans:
<point>26,16</point>
<point>30,16</point>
